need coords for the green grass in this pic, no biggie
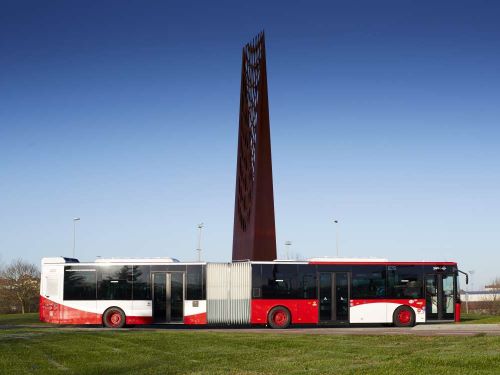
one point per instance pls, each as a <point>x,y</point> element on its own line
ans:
<point>480,319</point>
<point>47,349</point>
<point>87,351</point>
<point>20,319</point>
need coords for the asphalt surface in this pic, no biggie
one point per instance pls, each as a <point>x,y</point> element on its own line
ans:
<point>419,330</point>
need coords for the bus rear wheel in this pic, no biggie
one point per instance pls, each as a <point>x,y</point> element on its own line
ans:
<point>279,317</point>
<point>114,317</point>
<point>403,317</point>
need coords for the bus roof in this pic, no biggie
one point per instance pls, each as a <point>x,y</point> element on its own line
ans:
<point>373,261</point>
<point>137,260</point>
<point>62,260</point>
<point>318,261</point>
<point>347,260</point>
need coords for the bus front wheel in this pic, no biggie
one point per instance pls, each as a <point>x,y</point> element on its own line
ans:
<point>279,317</point>
<point>404,316</point>
<point>114,317</point>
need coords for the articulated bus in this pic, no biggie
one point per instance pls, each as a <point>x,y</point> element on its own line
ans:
<point>320,291</point>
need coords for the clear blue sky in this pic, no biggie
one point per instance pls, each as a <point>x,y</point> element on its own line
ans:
<point>384,115</point>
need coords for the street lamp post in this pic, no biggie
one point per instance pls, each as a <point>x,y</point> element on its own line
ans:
<point>287,247</point>
<point>471,272</point>
<point>337,236</point>
<point>200,227</point>
<point>75,219</point>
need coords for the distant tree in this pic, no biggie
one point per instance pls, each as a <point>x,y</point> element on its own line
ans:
<point>492,304</point>
<point>495,285</point>
<point>20,283</point>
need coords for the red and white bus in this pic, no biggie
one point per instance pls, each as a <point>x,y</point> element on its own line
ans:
<point>320,291</point>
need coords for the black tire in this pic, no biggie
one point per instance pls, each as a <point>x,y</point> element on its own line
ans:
<point>403,316</point>
<point>114,317</point>
<point>279,317</point>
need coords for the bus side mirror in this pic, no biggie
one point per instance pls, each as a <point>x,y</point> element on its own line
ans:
<point>466,277</point>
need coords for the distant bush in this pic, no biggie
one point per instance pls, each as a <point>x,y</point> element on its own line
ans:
<point>488,307</point>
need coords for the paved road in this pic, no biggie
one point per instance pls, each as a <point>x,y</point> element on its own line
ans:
<point>419,330</point>
<point>423,330</point>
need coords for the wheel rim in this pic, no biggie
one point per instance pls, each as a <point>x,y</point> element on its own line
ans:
<point>115,318</point>
<point>280,318</point>
<point>404,316</point>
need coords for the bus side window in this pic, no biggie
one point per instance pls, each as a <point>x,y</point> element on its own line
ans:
<point>194,290</point>
<point>368,282</point>
<point>256,293</point>
<point>80,283</point>
<point>256,281</point>
<point>141,282</point>
<point>309,286</point>
<point>307,281</point>
<point>405,282</point>
<point>115,283</point>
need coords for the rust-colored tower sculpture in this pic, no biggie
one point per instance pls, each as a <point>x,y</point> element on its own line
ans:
<point>254,236</point>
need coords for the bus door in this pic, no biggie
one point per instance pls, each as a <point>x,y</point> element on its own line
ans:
<point>439,297</point>
<point>168,297</point>
<point>334,297</point>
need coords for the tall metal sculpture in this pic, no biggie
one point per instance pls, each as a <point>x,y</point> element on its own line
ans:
<point>254,236</point>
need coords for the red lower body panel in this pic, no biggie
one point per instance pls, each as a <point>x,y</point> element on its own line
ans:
<point>196,319</point>
<point>139,320</point>
<point>49,311</point>
<point>302,310</point>
<point>53,312</point>
<point>70,315</point>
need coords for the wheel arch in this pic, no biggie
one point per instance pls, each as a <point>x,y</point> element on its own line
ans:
<point>276,308</point>
<point>107,316</point>
<point>404,316</point>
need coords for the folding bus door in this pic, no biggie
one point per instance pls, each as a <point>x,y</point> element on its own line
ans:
<point>439,296</point>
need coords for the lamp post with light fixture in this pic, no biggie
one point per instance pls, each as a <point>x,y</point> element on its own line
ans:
<point>336,236</point>
<point>200,227</point>
<point>287,247</point>
<point>75,219</point>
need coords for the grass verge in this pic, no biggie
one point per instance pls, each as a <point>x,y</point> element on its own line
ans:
<point>480,319</point>
<point>20,319</point>
<point>82,351</point>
